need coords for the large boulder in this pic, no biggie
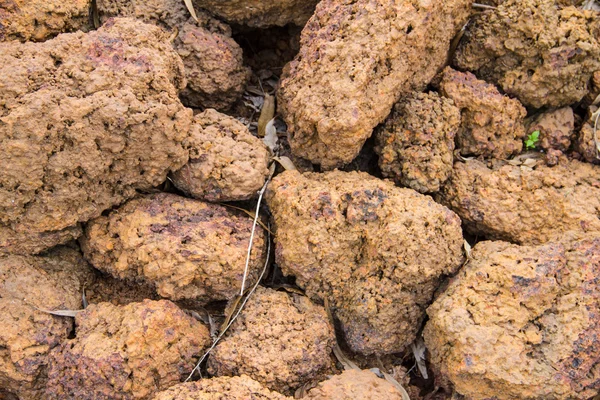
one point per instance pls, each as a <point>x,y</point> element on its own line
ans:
<point>86,120</point>
<point>521,322</point>
<point>375,252</point>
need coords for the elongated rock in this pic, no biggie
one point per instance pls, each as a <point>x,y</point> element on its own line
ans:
<point>356,59</point>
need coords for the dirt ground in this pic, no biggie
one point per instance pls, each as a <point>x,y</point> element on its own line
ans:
<point>328,200</point>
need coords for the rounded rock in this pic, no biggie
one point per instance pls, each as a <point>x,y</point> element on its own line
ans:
<point>220,388</point>
<point>281,340</point>
<point>354,385</point>
<point>226,162</point>
<point>186,248</point>
<point>126,352</point>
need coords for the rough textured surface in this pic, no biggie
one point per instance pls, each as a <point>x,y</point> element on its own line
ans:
<point>226,162</point>
<point>216,76</point>
<point>86,120</point>
<point>27,284</point>
<point>220,388</point>
<point>521,322</point>
<point>534,50</point>
<point>585,144</point>
<point>524,205</point>
<point>38,20</point>
<point>126,352</point>
<point>281,340</point>
<point>354,385</point>
<point>260,13</point>
<point>374,251</point>
<point>356,59</point>
<point>416,143</point>
<point>186,248</point>
<point>556,129</point>
<point>492,124</point>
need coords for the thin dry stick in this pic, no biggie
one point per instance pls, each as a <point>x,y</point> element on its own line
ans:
<point>483,6</point>
<point>196,368</point>
<point>260,196</point>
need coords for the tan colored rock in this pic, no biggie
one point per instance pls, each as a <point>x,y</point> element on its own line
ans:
<point>281,340</point>
<point>534,50</point>
<point>492,124</point>
<point>525,205</point>
<point>220,388</point>
<point>38,20</point>
<point>126,352</point>
<point>260,13</point>
<point>216,76</point>
<point>354,385</point>
<point>556,129</point>
<point>186,248</point>
<point>226,162</point>
<point>416,143</point>
<point>374,251</point>
<point>356,60</point>
<point>587,142</point>
<point>27,286</point>
<point>105,288</point>
<point>521,322</point>
<point>88,119</point>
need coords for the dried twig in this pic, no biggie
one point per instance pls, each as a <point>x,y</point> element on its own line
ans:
<point>222,333</point>
<point>483,6</point>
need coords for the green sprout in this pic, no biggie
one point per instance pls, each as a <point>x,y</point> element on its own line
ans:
<point>532,139</point>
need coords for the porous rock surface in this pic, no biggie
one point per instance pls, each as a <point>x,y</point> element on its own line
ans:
<point>556,129</point>
<point>586,143</point>
<point>535,50</point>
<point>356,60</point>
<point>38,20</point>
<point>492,124</point>
<point>126,352</point>
<point>220,388</point>
<point>106,288</point>
<point>416,143</point>
<point>87,119</point>
<point>525,205</point>
<point>354,385</point>
<point>374,251</point>
<point>216,76</point>
<point>188,249</point>
<point>29,284</point>
<point>281,340</point>
<point>226,161</point>
<point>260,13</point>
<point>521,322</point>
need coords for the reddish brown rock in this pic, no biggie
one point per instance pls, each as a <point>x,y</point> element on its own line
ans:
<point>226,162</point>
<point>38,20</point>
<point>281,340</point>
<point>220,388</point>
<point>356,60</point>
<point>535,50</point>
<point>416,143</point>
<point>105,288</point>
<point>88,119</point>
<point>354,385</point>
<point>260,13</point>
<point>588,141</point>
<point>126,352</point>
<point>216,76</point>
<point>521,322</point>
<point>186,248</point>
<point>525,205</point>
<point>29,285</point>
<point>492,124</point>
<point>556,129</point>
<point>374,251</point>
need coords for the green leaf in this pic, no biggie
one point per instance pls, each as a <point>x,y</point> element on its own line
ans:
<point>532,140</point>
